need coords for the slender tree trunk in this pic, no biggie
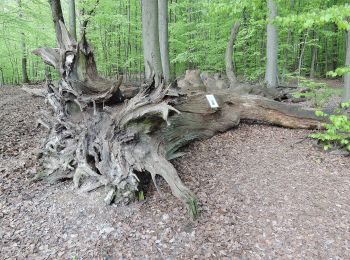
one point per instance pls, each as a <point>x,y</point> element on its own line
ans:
<point>335,48</point>
<point>326,56</point>
<point>25,78</point>
<point>150,36</point>
<point>302,51</point>
<point>164,37</point>
<point>57,16</point>
<point>72,19</point>
<point>47,72</point>
<point>272,47</point>
<point>128,47</point>
<point>174,21</point>
<point>347,75</point>
<point>314,57</point>
<point>2,82</point>
<point>228,56</point>
<point>289,40</point>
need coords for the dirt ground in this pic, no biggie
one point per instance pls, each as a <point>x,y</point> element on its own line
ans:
<point>265,193</point>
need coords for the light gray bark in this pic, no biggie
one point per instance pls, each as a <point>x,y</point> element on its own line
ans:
<point>271,47</point>
<point>163,37</point>
<point>228,55</point>
<point>72,19</point>
<point>347,75</point>
<point>150,36</point>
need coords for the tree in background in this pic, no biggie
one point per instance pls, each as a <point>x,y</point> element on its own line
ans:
<point>155,38</point>
<point>229,53</point>
<point>25,78</point>
<point>163,37</point>
<point>150,37</point>
<point>271,75</point>
<point>197,36</point>
<point>72,19</point>
<point>347,74</point>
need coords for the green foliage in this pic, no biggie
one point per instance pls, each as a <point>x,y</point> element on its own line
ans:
<point>318,92</point>
<point>38,31</point>
<point>337,14</point>
<point>198,36</point>
<point>338,72</point>
<point>337,132</point>
<point>141,196</point>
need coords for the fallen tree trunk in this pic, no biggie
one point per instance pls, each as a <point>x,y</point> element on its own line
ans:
<point>99,140</point>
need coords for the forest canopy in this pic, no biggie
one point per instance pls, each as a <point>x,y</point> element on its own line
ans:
<point>311,36</point>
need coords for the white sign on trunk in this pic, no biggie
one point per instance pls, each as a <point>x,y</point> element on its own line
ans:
<point>212,101</point>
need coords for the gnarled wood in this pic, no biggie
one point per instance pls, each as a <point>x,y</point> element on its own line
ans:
<point>99,140</point>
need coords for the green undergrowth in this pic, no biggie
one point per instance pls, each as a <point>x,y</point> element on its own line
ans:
<point>317,92</point>
<point>337,134</point>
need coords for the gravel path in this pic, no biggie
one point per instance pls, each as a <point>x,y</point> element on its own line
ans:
<point>266,193</point>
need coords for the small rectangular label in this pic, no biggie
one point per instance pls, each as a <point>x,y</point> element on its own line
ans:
<point>212,101</point>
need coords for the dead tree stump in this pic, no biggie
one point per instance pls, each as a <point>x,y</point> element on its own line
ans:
<point>98,139</point>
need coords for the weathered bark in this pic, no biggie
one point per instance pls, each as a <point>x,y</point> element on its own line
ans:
<point>72,19</point>
<point>271,47</point>
<point>96,140</point>
<point>25,77</point>
<point>150,36</point>
<point>228,55</point>
<point>347,75</point>
<point>108,146</point>
<point>163,37</point>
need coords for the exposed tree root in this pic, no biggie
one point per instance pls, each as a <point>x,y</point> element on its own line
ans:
<point>98,139</point>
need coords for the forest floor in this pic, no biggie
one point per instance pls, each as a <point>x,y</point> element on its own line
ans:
<point>265,192</point>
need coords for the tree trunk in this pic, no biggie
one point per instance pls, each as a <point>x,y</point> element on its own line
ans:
<point>289,39</point>
<point>57,16</point>
<point>314,57</point>
<point>2,82</point>
<point>347,64</point>
<point>271,47</point>
<point>25,77</point>
<point>228,55</point>
<point>163,37</point>
<point>150,36</point>
<point>72,19</point>
<point>335,48</point>
<point>300,63</point>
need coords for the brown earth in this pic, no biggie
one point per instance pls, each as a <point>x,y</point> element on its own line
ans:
<point>266,192</point>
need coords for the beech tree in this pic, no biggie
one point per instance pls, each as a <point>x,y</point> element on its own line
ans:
<point>150,37</point>
<point>25,77</point>
<point>347,74</point>
<point>163,37</point>
<point>72,19</point>
<point>271,74</point>
<point>228,55</point>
